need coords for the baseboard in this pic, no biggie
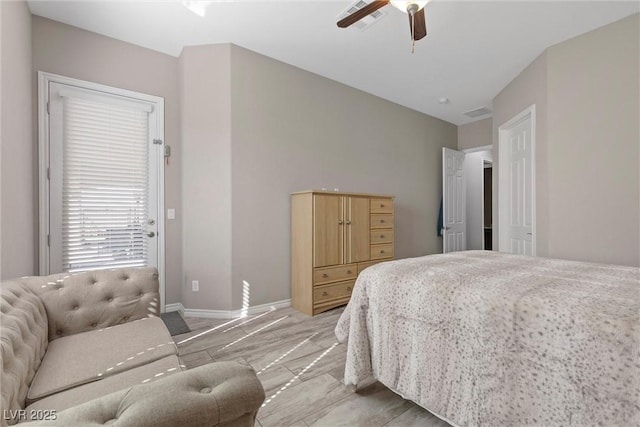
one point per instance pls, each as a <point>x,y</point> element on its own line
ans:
<point>174,307</point>
<point>227,314</point>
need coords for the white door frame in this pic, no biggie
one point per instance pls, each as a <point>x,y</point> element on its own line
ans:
<point>44,79</point>
<point>503,176</point>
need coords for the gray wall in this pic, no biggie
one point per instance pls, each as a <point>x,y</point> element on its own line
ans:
<point>593,145</point>
<point>475,134</point>
<point>18,200</point>
<point>587,173</point>
<point>254,130</point>
<point>206,180</point>
<point>72,52</point>
<point>294,130</point>
<point>530,87</point>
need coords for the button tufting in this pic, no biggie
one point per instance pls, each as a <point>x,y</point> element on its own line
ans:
<point>110,299</point>
<point>93,325</point>
<point>126,318</point>
<point>206,390</point>
<point>58,332</point>
<point>75,307</point>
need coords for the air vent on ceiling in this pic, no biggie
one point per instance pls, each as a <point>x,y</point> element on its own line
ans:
<point>365,22</point>
<point>477,112</point>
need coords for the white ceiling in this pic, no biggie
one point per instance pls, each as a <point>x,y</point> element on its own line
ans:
<point>472,51</point>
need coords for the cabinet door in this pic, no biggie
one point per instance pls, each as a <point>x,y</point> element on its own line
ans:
<point>357,229</point>
<point>328,230</point>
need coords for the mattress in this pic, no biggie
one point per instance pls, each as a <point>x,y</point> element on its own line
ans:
<point>486,338</point>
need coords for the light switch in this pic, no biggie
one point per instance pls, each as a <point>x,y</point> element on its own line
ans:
<point>171,213</point>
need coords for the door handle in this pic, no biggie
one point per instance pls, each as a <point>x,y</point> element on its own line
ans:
<point>529,234</point>
<point>151,234</point>
<point>348,222</point>
<point>339,222</point>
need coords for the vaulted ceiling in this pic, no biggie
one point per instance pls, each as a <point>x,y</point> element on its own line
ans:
<point>472,51</point>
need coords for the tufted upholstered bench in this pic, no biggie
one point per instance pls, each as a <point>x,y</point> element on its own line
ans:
<point>90,349</point>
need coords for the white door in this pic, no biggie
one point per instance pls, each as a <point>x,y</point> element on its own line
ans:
<point>105,158</point>
<point>454,236</point>
<point>516,181</point>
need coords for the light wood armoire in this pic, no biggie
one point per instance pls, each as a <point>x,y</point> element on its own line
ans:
<point>334,236</point>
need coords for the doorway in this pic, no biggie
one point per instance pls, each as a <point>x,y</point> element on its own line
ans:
<point>467,212</point>
<point>487,200</point>
<point>478,218</point>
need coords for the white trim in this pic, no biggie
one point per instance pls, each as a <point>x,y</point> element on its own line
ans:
<point>44,79</point>
<point>161,208</point>
<point>174,307</point>
<point>230,314</point>
<point>529,112</point>
<point>475,149</point>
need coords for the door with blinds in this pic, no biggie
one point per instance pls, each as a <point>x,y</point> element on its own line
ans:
<point>104,175</point>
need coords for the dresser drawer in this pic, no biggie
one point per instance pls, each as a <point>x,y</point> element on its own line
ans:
<point>381,206</point>
<point>381,236</point>
<point>381,221</point>
<point>381,251</point>
<point>335,274</point>
<point>331,292</point>
<point>363,265</point>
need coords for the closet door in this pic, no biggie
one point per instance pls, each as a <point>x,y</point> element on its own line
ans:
<point>328,230</point>
<point>357,229</point>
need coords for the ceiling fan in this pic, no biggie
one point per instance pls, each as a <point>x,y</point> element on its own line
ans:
<point>415,10</point>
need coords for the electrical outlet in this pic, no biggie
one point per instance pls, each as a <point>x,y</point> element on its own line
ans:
<point>195,285</point>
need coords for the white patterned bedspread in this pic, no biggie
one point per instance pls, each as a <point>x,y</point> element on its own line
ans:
<point>485,338</point>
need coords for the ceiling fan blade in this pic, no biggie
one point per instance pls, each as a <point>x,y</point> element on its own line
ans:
<point>421,25</point>
<point>367,10</point>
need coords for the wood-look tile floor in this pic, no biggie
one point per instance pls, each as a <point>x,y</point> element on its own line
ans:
<point>301,365</point>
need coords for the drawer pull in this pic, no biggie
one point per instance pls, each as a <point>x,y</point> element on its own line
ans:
<point>349,272</point>
<point>382,236</point>
<point>324,294</point>
<point>349,289</point>
<point>381,251</point>
<point>324,276</point>
<point>382,221</point>
<point>381,205</point>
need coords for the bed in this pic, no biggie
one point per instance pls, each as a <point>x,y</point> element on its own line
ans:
<point>486,338</point>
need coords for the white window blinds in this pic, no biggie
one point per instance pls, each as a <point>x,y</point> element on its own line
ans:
<point>105,184</point>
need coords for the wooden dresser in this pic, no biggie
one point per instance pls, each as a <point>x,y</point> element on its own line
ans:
<point>334,236</point>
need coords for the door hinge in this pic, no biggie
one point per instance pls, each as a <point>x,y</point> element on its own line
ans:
<point>157,141</point>
<point>49,240</point>
<point>49,174</point>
